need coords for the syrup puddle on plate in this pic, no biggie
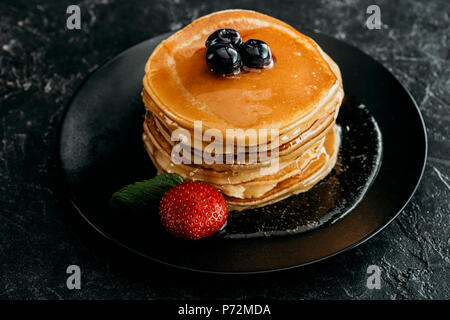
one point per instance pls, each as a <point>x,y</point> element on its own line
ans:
<point>331,199</point>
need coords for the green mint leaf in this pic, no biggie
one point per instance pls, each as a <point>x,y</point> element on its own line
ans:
<point>144,196</point>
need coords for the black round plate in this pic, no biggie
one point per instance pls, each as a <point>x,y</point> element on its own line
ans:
<point>101,151</point>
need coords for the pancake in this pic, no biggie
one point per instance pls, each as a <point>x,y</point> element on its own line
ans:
<point>290,95</point>
<point>293,149</point>
<point>256,190</point>
<point>297,101</point>
<point>315,171</point>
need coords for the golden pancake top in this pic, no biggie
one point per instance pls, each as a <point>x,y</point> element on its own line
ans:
<point>183,88</point>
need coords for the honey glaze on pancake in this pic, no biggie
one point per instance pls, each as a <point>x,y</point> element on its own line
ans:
<point>328,201</point>
<point>256,99</point>
<point>179,79</point>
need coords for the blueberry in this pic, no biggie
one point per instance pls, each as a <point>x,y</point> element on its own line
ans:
<point>223,58</point>
<point>255,54</point>
<point>230,36</point>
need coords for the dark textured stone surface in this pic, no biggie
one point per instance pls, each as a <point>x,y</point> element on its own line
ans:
<point>42,64</point>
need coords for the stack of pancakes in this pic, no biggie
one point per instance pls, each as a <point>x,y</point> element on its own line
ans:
<point>296,102</point>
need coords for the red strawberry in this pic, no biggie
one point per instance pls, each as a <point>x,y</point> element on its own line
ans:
<point>193,210</point>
